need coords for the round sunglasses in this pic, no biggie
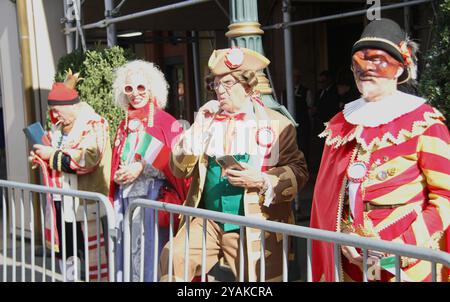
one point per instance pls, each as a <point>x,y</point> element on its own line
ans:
<point>129,89</point>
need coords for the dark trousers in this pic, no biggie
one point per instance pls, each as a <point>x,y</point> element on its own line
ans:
<point>68,235</point>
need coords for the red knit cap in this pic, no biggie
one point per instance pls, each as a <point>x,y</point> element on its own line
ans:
<point>62,95</point>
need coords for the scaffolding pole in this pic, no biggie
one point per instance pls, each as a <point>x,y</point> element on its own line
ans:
<point>77,11</point>
<point>195,58</point>
<point>343,15</point>
<point>111,28</point>
<point>69,36</point>
<point>406,18</point>
<point>288,61</point>
<point>105,22</point>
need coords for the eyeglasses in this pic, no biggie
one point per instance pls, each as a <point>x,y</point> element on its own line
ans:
<point>226,85</point>
<point>129,89</point>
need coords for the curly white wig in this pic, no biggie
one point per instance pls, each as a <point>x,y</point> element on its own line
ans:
<point>156,82</point>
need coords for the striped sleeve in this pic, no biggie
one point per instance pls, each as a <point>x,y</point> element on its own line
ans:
<point>433,150</point>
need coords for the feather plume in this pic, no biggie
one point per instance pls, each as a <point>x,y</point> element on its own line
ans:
<point>72,79</point>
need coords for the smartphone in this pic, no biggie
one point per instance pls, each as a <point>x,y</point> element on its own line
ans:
<point>375,254</point>
<point>36,134</point>
<point>229,162</point>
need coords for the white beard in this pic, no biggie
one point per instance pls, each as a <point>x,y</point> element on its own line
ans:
<point>372,90</point>
<point>369,89</point>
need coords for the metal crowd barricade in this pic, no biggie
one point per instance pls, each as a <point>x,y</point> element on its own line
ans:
<point>337,239</point>
<point>14,195</point>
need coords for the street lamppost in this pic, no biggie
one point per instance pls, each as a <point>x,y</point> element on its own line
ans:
<point>245,31</point>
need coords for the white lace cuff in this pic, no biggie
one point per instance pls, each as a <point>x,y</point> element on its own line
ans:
<point>267,191</point>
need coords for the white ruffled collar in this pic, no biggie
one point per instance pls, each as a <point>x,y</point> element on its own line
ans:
<point>373,114</point>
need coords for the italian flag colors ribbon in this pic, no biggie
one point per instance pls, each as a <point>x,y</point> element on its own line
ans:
<point>148,148</point>
<point>388,264</point>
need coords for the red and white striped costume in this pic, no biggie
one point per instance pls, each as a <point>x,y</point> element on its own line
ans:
<point>405,196</point>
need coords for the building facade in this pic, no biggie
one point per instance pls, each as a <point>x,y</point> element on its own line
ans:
<point>179,40</point>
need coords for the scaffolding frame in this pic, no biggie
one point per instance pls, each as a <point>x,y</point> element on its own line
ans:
<point>286,25</point>
<point>283,25</point>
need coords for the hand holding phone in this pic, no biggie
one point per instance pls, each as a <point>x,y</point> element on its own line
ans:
<point>229,162</point>
<point>36,135</point>
<point>375,254</point>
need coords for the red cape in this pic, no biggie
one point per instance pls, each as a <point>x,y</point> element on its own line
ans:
<point>341,139</point>
<point>326,199</point>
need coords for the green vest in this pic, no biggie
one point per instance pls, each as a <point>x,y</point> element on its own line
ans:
<point>219,195</point>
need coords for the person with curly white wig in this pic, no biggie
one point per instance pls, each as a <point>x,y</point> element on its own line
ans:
<point>140,169</point>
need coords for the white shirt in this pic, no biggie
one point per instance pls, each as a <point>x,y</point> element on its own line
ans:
<point>243,142</point>
<point>242,135</point>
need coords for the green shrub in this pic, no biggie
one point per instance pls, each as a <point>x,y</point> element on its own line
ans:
<point>96,67</point>
<point>434,83</point>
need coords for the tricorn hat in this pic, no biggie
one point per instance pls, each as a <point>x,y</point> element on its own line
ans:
<point>223,61</point>
<point>387,35</point>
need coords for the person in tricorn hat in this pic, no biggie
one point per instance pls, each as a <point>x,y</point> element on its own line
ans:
<point>385,167</point>
<point>272,170</point>
<point>78,158</point>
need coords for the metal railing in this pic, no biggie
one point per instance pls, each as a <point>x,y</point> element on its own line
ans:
<point>337,239</point>
<point>15,194</point>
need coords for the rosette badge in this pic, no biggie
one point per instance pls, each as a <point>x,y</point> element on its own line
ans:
<point>134,125</point>
<point>265,136</point>
<point>357,171</point>
<point>234,58</point>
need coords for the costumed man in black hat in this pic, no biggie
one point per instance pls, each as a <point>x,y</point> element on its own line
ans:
<point>385,170</point>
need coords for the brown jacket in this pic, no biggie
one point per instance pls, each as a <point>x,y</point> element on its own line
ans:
<point>287,177</point>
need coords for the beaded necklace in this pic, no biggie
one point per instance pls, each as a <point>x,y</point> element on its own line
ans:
<point>60,141</point>
<point>126,146</point>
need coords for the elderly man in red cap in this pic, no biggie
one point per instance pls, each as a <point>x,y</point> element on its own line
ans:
<point>244,160</point>
<point>385,170</point>
<point>78,158</point>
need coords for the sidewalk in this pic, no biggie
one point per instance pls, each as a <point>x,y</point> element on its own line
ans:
<point>14,268</point>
